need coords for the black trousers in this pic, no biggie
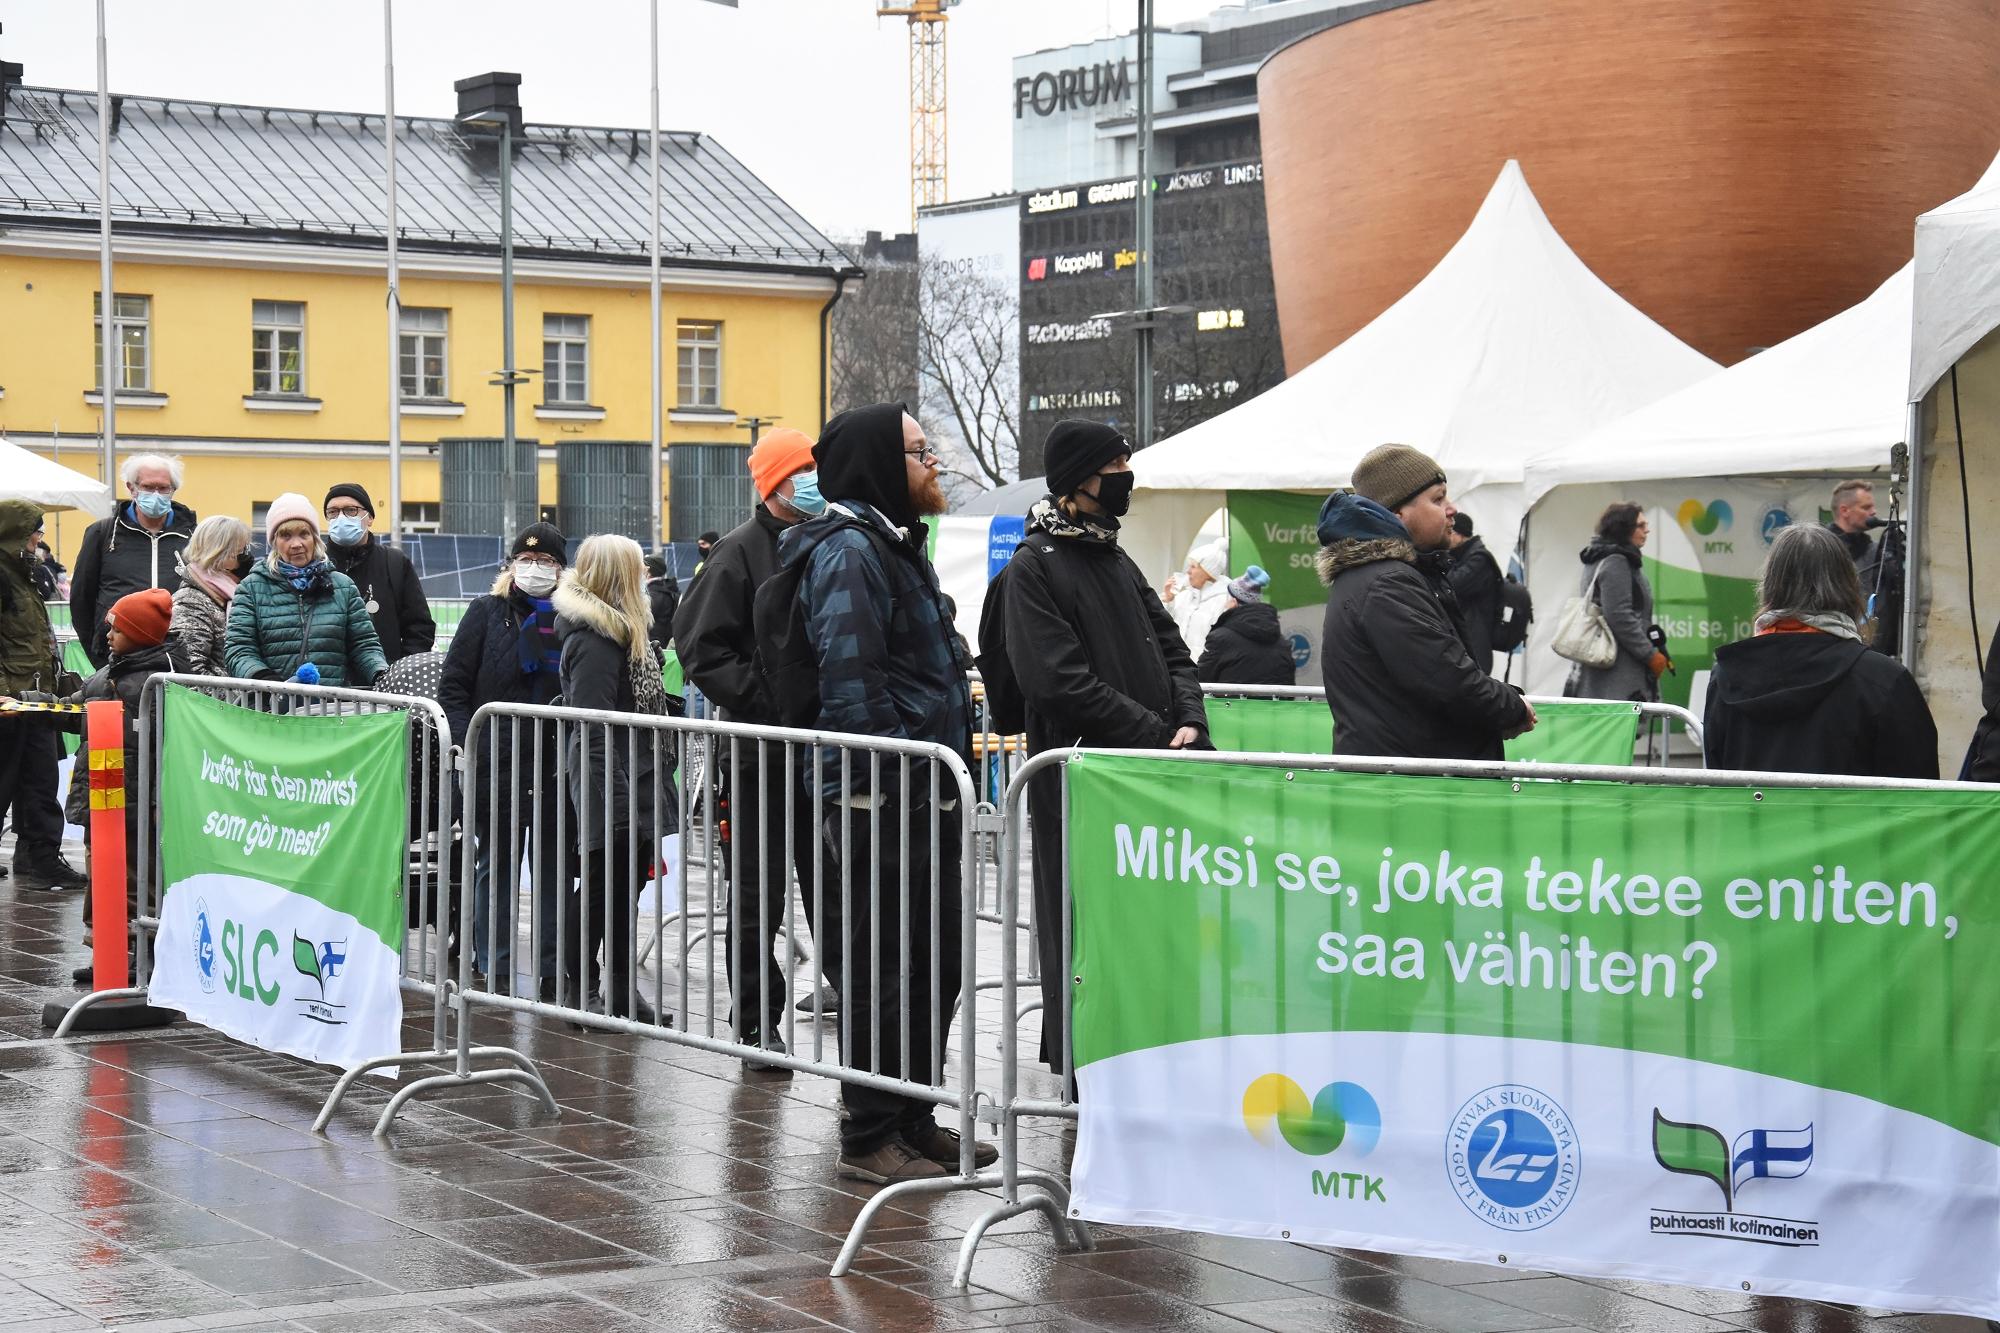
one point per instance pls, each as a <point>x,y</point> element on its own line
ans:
<point>600,916</point>
<point>892,1002</point>
<point>760,883</point>
<point>28,781</point>
<point>1045,814</point>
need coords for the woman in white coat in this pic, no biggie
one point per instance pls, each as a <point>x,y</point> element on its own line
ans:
<point>1198,596</point>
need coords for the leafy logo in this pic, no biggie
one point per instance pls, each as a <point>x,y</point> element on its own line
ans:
<point>1706,520</point>
<point>1688,1149</point>
<point>1513,1158</point>
<point>1275,1107</point>
<point>322,962</point>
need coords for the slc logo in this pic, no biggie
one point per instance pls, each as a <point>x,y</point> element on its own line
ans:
<point>1343,1113</point>
<point>1706,520</point>
<point>204,946</point>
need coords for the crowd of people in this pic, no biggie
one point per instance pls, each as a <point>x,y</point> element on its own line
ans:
<point>822,609</point>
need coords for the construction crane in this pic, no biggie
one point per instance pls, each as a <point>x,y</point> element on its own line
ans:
<point>927,144</point>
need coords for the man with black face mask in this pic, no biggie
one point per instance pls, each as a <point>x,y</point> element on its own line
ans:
<point>1074,629</point>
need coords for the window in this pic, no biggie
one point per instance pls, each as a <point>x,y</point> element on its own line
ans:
<point>565,358</point>
<point>422,359</point>
<point>700,342</point>
<point>422,516</point>
<point>131,328</point>
<point>278,347</point>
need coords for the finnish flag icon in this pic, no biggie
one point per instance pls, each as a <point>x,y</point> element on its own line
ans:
<point>1776,1154</point>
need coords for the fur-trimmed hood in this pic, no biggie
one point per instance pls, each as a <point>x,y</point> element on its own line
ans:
<point>1336,558</point>
<point>580,606</point>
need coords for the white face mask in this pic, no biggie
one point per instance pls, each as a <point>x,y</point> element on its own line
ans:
<point>535,580</point>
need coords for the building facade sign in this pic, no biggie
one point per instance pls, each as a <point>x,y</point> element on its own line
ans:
<point>1052,90</point>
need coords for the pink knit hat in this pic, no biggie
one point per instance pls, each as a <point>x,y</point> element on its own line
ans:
<point>287,507</point>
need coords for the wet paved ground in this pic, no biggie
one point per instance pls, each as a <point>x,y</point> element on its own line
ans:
<point>167,1181</point>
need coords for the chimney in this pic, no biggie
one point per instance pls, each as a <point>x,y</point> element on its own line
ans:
<point>492,94</point>
<point>10,79</point>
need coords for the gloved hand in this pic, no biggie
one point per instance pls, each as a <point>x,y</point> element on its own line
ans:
<point>1659,664</point>
<point>307,674</point>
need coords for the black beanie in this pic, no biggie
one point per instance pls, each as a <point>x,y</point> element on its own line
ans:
<point>354,491</point>
<point>542,539</point>
<point>1075,450</point>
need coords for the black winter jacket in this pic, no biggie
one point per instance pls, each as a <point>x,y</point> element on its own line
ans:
<point>611,783</point>
<point>483,666</point>
<point>663,594</point>
<point>1475,583</point>
<point>119,556</point>
<point>713,633</point>
<point>1816,703</point>
<point>393,593</point>
<point>1398,678</point>
<point>1247,647</point>
<point>1096,654</point>
<point>1982,761</point>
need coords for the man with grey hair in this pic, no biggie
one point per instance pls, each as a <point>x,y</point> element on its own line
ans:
<point>138,547</point>
<point>1877,561</point>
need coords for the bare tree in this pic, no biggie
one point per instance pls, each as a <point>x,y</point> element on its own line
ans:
<point>968,331</point>
<point>873,358</point>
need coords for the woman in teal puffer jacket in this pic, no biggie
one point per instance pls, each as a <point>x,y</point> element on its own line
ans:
<point>293,609</point>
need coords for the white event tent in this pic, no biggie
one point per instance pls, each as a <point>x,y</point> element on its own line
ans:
<point>1510,345</point>
<point>26,475</point>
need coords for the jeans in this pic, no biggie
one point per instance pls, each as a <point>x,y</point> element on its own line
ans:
<point>547,884</point>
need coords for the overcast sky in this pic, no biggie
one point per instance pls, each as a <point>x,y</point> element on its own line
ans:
<point>813,95</point>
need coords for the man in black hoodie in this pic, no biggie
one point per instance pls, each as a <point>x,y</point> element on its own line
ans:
<point>717,642</point>
<point>390,588</point>
<point>1094,654</point>
<point>1398,678</point>
<point>890,666</point>
<point>1475,581</point>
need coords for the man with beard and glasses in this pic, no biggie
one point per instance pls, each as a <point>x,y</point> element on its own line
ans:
<point>1073,630</point>
<point>889,665</point>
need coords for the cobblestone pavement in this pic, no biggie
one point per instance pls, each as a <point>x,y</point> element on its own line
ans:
<point>168,1181</point>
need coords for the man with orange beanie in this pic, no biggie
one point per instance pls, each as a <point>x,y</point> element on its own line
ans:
<point>718,651</point>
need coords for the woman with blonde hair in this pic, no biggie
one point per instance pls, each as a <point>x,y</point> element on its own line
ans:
<point>602,615</point>
<point>216,560</point>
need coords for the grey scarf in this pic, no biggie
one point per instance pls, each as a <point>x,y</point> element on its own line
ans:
<point>1837,623</point>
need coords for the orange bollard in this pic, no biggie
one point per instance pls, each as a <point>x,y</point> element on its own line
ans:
<point>104,753</point>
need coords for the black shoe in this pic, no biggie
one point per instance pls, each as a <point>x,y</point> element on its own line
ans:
<point>640,1012</point>
<point>83,976</point>
<point>940,1145</point>
<point>49,872</point>
<point>545,990</point>
<point>829,1002</point>
<point>754,1042</point>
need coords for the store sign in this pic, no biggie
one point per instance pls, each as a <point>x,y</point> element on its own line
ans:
<point>1213,321</point>
<point>1124,259</point>
<point>1051,201</point>
<point>1187,180</point>
<point>1249,173</point>
<point>1186,392</point>
<point>1082,331</point>
<point>1065,90</point>
<point>1113,192</point>
<point>1087,261</point>
<point>1076,398</point>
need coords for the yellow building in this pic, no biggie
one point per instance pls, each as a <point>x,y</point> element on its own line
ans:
<point>251,309</point>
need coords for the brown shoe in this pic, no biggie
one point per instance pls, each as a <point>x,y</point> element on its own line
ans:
<point>940,1145</point>
<point>893,1162</point>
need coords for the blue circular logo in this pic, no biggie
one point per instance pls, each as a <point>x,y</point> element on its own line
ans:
<point>1776,518</point>
<point>1302,651</point>
<point>204,946</point>
<point>1512,1157</point>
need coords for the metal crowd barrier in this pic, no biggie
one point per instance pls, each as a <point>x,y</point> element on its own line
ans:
<point>756,821</point>
<point>1657,717</point>
<point>426,942</point>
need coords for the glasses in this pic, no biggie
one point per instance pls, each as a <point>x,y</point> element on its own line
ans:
<point>346,511</point>
<point>925,454</point>
<point>538,561</point>
<point>153,490</point>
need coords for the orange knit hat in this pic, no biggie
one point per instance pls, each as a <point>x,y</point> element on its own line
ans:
<point>778,455</point>
<point>143,616</point>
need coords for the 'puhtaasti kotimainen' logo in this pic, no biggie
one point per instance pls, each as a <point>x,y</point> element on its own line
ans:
<point>1512,1157</point>
<point>322,963</point>
<point>1688,1149</point>
<point>1341,1116</point>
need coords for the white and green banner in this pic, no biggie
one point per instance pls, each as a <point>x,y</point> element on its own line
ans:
<point>281,848</point>
<point>1707,1035</point>
<point>1279,530</point>
<point>1567,731</point>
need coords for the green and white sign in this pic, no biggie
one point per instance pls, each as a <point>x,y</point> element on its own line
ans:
<point>281,847</point>
<point>1702,1035</point>
<point>1566,732</point>
<point>1279,530</point>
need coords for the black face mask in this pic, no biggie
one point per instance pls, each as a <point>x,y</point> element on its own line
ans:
<point>241,569</point>
<point>1114,492</point>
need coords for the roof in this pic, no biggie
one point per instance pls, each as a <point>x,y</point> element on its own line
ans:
<point>1957,299</point>
<point>317,177</point>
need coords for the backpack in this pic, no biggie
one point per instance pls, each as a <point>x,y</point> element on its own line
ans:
<point>1006,707</point>
<point>786,654</point>
<point>1516,612</point>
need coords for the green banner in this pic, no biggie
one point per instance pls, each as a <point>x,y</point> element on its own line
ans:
<point>1278,530</point>
<point>1713,1035</point>
<point>1566,732</point>
<point>281,846</point>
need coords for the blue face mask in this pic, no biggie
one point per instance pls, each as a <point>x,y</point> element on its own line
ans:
<point>806,498</point>
<point>154,505</point>
<point>346,531</point>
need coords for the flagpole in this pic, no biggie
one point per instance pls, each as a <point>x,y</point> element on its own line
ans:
<point>395,301</point>
<point>653,540</point>
<point>107,300</point>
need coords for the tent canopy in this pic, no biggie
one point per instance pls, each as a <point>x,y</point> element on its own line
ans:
<point>1826,400</point>
<point>1510,345</point>
<point>26,475</point>
<point>1957,281</point>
